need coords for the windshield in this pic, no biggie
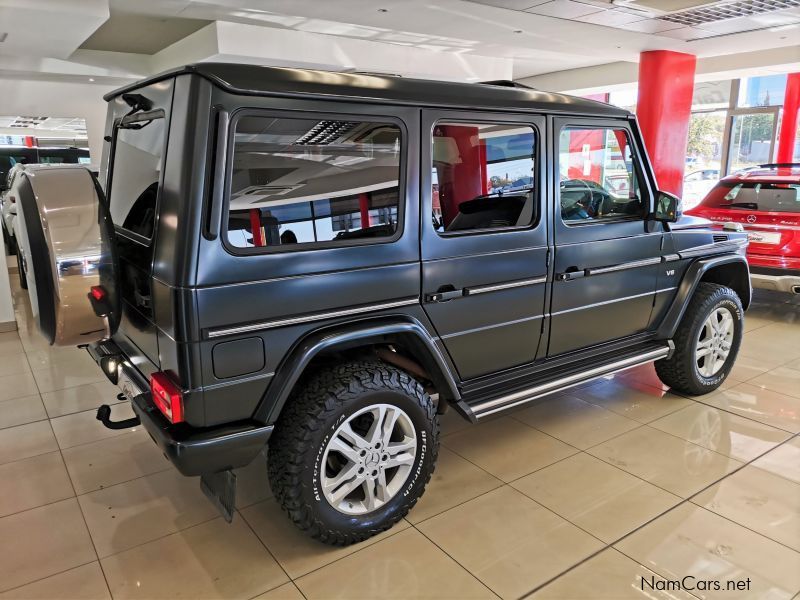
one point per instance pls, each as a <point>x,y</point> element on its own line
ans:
<point>755,196</point>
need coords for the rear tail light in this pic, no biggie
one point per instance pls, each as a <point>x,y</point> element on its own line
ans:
<point>167,397</point>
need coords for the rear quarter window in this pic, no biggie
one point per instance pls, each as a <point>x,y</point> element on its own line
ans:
<point>755,196</point>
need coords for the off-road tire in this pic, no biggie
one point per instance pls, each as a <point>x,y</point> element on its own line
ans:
<point>680,371</point>
<point>312,414</point>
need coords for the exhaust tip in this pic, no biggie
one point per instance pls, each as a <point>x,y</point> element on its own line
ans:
<point>796,289</point>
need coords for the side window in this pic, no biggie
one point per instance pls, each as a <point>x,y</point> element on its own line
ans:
<point>600,181</point>
<point>136,175</point>
<point>483,176</point>
<point>304,181</point>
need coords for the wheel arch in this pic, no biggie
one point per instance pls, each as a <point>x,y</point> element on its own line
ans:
<point>730,270</point>
<point>405,332</point>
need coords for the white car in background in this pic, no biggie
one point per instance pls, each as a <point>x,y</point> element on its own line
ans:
<point>8,207</point>
<point>697,184</point>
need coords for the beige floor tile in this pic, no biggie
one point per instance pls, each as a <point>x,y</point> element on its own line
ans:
<point>132,513</point>
<point>760,501</point>
<point>783,461</point>
<point>10,344</point>
<point>287,591</point>
<point>508,541</point>
<point>212,560</point>
<point>33,482</point>
<point>65,375</point>
<point>764,406</point>
<point>782,380</point>
<point>19,411</point>
<point>296,552</point>
<point>27,440</point>
<point>454,481</point>
<point>575,422</point>
<point>645,374</point>
<point>664,460</point>
<point>14,364</point>
<point>598,498</point>
<point>57,355</point>
<point>690,540</point>
<point>747,367</point>
<point>83,427</point>
<point>81,583</point>
<point>80,398</point>
<point>777,340</point>
<point>721,431</point>
<point>41,542</point>
<point>16,386</point>
<point>506,448</point>
<point>636,401</point>
<point>404,566</point>
<point>608,576</point>
<point>451,421</point>
<point>114,460</point>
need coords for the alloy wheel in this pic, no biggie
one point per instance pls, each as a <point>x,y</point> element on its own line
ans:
<point>714,342</point>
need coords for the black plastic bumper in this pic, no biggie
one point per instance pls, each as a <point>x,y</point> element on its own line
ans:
<point>195,452</point>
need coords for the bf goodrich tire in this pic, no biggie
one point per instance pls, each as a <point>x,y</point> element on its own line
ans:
<point>353,450</point>
<point>706,343</point>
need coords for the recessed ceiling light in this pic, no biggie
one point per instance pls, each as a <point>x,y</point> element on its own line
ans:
<point>91,79</point>
<point>518,31</point>
<point>383,10</point>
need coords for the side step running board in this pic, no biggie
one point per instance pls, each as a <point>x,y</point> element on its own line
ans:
<point>494,405</point>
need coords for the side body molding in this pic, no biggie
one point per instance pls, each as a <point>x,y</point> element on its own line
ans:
<point>734,264</point>
<point>352,335</point>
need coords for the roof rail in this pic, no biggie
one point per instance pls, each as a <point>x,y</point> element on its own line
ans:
<point>507,83</point>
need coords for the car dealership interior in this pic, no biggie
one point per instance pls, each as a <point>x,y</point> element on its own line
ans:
<point>583,218</point>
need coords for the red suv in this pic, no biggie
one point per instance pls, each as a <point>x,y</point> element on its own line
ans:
<point>766,201</point>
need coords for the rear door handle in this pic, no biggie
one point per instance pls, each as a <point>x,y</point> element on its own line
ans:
<point>570,274</point>
<point>443,294</point>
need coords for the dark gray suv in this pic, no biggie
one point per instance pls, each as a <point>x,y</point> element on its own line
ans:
<point>320,264</point>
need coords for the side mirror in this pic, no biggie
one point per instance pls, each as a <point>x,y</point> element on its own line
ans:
<point>669,208</point>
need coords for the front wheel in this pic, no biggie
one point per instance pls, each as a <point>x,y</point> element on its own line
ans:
<point>353,450</point>
<point>706,342</point>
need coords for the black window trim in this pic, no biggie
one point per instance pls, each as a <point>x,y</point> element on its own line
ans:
<point>118,229</point>
<point>537,189</point>
<point>278,113</point>
<point>640,173</point>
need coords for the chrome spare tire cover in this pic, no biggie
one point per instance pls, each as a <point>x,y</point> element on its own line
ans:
<point>67,244</point>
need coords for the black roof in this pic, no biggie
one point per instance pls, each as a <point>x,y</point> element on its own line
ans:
<point>256,80</point>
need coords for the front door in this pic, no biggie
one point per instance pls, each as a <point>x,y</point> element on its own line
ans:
<point>607,253</point>
<point>484,236</point>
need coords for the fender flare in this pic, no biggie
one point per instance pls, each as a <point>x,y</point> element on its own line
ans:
<point>352,335</point>
<point>691,279</point>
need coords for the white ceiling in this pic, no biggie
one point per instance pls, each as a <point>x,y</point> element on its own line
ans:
<point>461,38</point>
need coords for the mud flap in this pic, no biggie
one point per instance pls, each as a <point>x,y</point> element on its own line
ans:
<point>220,488</point>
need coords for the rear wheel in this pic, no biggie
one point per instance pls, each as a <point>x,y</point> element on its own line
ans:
<point>353,450</point>
<point>706,342</point>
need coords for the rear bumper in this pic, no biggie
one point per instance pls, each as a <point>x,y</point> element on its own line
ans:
<point>193,451</point>
<point>196,452</point>
<point>780,280</point>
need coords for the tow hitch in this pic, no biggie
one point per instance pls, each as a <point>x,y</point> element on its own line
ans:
<point>104,416</point>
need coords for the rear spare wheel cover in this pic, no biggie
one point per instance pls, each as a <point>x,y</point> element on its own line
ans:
<point>69,249</point>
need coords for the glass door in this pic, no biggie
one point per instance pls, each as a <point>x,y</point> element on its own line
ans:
<point>751,138</point>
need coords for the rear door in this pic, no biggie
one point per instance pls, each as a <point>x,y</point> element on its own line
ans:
<point>134,169</point>
<point>484,236</point>
<point>606,252</point>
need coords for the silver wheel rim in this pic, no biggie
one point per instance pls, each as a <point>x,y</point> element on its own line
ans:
<point>714,342</point>
<point>368,459</point>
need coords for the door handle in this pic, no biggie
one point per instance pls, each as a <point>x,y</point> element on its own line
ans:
<point>570,274</point>
<point>444,293</point>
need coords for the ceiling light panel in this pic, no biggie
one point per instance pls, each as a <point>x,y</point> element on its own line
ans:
<point>728,10</point>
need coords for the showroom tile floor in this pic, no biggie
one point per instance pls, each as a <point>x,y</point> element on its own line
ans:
<point>580,496</point>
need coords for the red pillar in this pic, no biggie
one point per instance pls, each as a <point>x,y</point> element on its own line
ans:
<point>363,206</point>
<point>666,84</point>
<point>788,134</point>
<point>466,179</point>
